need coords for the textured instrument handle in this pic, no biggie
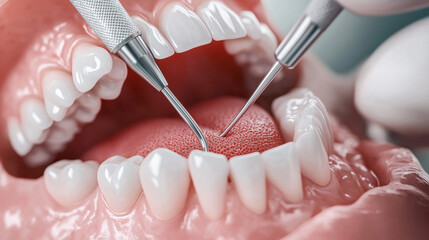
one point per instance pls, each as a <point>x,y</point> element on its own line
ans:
<point>323,12</point>
<point>109,20</point>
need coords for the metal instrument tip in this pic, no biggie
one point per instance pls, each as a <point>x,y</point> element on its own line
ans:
<point>186,117</point>
<point>275,69</point>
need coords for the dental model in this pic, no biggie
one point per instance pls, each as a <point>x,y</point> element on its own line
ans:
<point>118,164</point>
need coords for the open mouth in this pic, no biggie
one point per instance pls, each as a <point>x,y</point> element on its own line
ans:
<point>138,171</point>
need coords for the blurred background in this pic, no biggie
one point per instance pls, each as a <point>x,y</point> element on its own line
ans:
<point>349,40</point>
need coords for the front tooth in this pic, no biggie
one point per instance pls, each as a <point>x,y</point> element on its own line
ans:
<point>118,179</point>
<point>55,112</point>
<point>209,172</point>
<point>221,21</point>
<point>283,171</point>
<point>312,155</point>
<point>248,174</point>
<point>183,28</point>
<point>109,87</point>
<point>70,181</point>
<point>17,139</point>
<point>90,63</point>
<point>89,106</point>
<point>251,24</point>
<point>165,180</point>
<point>58,87</point>
<point>156,41</point>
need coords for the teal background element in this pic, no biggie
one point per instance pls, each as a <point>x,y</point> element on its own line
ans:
<point>349,40</point>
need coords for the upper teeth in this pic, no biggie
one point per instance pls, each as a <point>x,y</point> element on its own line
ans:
<point>96,74</point>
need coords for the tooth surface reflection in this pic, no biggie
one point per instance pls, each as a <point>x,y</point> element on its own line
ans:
<point>70,181</point>
<point>157,43</point>
<point>209,172</point>
<point>251,24</point>
<point>283,171</point>
<point>248,175</point>
<point>35,112</point>
<point>183,28</point>
<point>109,86</point>
<point>221,21</point>
<point>17,139</point>
<point>59,89</point>
<point>118,179</point>
<point>165,180</point>
<point>90,63</point>
<point>312,156</point>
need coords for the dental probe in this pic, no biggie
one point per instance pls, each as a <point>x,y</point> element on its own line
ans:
<point>112,24</point>
<point>317,17</point>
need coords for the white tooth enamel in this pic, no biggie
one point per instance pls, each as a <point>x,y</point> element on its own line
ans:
<point>58,87</point>
<point>31,133</point>
<point>55,112</point>
<point>312,154</point>
<point>251,24</point>
<point>157,43</point>
<point>37,157</point>
<point>63,132</point>
<point>221,21</point>
<point>298,105</point>
<point>33,110</point>
<point>165,180</point>
<point>71,181</point>
<point>209,173</point>
<point>248,174</point>
<point>268,40</point>
<point>109,86</point>
<point>90,63</point>
<point>89,106</point>
<point>183,28</point>
<point>118,179</point>
<point>17,139</point>
<point>283,171</point>
<point>237,46</point>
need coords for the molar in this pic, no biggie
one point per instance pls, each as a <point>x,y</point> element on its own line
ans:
<point>165,180</point>
<point>17,139</point>
<point>221,21</point>
<point>183,28</point>
<point>89,106</point>
<point>59,89</point>
<point>283,171</point>
<point>90,63</point>
<point>109,87</point>
<point>118,179</point>
<point>248,175</point>
<point>157,43</point>
<point>251,24</point>
<point>70,181</point>
<point>209,172</point>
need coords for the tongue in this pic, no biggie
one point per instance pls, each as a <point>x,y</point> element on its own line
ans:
<point>255,132</point>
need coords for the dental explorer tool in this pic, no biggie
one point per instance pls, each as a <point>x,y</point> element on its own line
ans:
<point>112,24</point>
<point>317,17</point>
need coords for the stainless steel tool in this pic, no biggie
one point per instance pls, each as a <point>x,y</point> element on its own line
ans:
<point>112,24</point>
<point>317,17</point>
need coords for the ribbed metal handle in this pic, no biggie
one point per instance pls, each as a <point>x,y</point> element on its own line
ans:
<point>109,20</point>
<point>323,12</point>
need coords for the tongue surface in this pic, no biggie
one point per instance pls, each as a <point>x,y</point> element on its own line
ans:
<point>255,132</point>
